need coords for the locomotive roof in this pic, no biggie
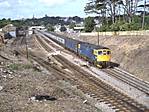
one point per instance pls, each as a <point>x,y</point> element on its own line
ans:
<point>96,46</point>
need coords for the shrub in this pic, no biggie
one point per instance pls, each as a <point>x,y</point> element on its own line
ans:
<point>89,24</point>
<point>51,28</point>
<point>125,27</point>
<point>15,66</point>
<point>114,27</point>
<point>121,26</point>
<point>63,29</point>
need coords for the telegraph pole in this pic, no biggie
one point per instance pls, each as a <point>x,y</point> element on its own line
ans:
<point>26,43</point>
<point>98,37</point>
<point>143,15</point>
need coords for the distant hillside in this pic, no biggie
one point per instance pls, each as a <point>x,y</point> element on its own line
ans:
<point>46,21</point>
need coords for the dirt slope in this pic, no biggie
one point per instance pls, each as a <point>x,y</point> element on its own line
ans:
<point>131,52</point>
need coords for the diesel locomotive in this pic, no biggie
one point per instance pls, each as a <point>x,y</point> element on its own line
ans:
<point>97,55</point>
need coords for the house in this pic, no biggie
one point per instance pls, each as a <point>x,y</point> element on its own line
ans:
<point>78,29</point>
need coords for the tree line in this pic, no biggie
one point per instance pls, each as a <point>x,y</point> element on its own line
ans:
<point>115,15</point>
<point>45,21</point>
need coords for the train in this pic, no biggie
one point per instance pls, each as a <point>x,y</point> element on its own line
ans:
<point>95,54</point>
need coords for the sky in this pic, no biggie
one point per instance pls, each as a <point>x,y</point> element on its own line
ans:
<point>18,9</point>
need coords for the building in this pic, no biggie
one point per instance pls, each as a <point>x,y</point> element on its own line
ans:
<point>78,29</point>
<point>36,28</point>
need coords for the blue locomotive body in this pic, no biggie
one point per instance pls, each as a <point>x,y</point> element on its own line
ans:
<point>86,51</point>
<point>71,44</point>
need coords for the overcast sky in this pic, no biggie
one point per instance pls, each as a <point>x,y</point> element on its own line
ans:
<point>17,9</point>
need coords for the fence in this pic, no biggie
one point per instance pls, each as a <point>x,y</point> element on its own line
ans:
<point>131,33</point>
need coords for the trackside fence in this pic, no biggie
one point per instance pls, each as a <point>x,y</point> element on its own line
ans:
<point>131,33</point>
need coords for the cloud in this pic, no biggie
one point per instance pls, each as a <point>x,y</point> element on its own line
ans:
<point>54,2</point>
<point>20,1</point>
<point>27,8</point>
<point>5,0</point>
<point>4,4</point>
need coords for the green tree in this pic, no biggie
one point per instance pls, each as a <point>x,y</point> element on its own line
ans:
<point>89,24</point>
<point>112,11</point>
<point>51,28</point>
<point>63,29</point>
<point>104,8</point>
<point>4,22</point>
<point>72,25</point>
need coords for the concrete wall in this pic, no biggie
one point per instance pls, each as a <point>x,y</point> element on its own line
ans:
<point>144,32</point>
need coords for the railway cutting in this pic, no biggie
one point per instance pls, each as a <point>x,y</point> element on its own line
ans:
<point>90,92</point>
<point>69,76</point>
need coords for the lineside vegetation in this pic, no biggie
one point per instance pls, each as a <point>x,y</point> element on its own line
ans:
<point>120,15</point>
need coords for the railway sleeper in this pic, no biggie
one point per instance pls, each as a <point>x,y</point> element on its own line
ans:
<point>119,102</point>
<point>136,104</point>
<point>122,108</point>
<point>95,96</point>
<point>107,99</point>
<point>119,108</point>
<point>132,107</point>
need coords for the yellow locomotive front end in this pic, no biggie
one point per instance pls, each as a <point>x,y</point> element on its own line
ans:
<point>103,57</point>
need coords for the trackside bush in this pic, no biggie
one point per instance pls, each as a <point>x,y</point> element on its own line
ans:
<point>121,26</point>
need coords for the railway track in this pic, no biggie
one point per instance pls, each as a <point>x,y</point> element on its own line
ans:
<point>94,87</point>
<point>4,57</point>
<point>107,93</point>
<point>129,79</point>
<point>44,45</point>
<point>18,41</point>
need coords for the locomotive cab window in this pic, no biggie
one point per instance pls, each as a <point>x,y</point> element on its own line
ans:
<point>108,52</point>
<point>99,52</point>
